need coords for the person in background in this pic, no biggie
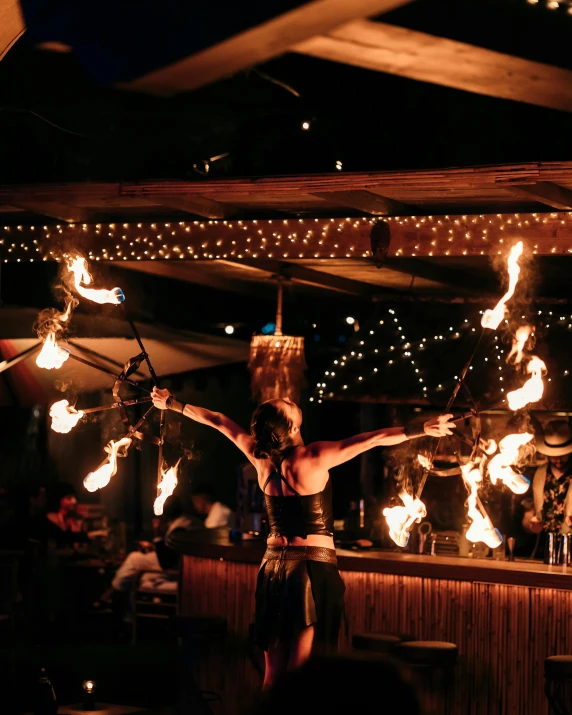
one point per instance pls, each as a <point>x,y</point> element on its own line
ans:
<point>215,513</point>
<point>62,525</point>
<point>550,504</point>
<point>299,600</point>
<point>153,556</point>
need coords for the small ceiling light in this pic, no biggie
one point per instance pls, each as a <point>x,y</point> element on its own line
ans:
<point>229,330</point>
<point>350,320</point>
<point>305,126</point>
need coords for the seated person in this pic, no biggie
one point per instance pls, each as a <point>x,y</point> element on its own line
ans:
<point>205,504</point>
<point>156,556</point>
<point>61,524</point>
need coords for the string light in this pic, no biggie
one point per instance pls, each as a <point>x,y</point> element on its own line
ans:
<point>419,356</point>
<point>291,238</point>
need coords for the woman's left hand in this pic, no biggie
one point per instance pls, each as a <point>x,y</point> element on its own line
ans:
<point>439,426</point>
<point>160,398</point>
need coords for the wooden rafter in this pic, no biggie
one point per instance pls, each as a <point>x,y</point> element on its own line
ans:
<point>193,273</point>
<point>417,55</point>
<point>366,201</point>
<point>12,25</point>
<point>258,44</point>
<point>57,209</point>
<point>546,193</point>
<point>292,239</point>
<point>458,280</point>
<point>197,205</point>
<point>309,276</point>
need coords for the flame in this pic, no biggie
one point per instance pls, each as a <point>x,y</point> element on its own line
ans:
<point>78,267</point>
<point>102,475</point>
<point>400,518</point>
<point>424,461</point>
<point>522,335</point>
<point>52,356</point>
<point>500,467</point>
<point>489,446</point>
<point>165,487</point>
<point>532,389</point>
<point>64,417</point>
<point>481,528</point>
<point>492,318</point>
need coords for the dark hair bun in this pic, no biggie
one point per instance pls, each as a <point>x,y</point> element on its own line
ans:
<point>270,428</point>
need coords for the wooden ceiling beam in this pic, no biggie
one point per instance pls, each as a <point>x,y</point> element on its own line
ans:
<point>366,201</point>
<point>461,281</point>
<point>292,239</point>
<point>308,276</point>
<point>197,205</point>
<point>426,58</point>
<point>193,273</point>
<point>12,25</point>
<point>545,192</point>
<point>58,210</point>
<point>258,44</point>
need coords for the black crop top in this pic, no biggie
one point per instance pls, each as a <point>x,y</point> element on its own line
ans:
<point>299,515</point>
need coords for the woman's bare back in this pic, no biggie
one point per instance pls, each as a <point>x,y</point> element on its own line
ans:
<point>304,474</point>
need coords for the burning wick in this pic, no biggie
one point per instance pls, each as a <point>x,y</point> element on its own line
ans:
<point>400,519</point>
<point>52,356</point>
<point>165,487</point>
<point>532,389</point>
<point>492,318</point>
<point>102,475</point>
<point>481,528</point>
<point>500,467</point>
<point>64,417</point>
<point>78,267</point>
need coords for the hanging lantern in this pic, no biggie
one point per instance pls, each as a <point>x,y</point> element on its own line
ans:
<point>277,362</point>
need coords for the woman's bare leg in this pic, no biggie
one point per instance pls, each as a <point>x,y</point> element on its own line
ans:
<point>301,648</point>
<point>276,662</point>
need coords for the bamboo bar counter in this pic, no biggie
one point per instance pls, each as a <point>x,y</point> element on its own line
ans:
<point>505,617</point>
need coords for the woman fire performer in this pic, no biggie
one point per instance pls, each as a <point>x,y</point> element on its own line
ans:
<point>299,591</point>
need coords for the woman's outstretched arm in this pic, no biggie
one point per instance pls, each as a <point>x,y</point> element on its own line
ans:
<point>163,400</point>
<point>331,454</point>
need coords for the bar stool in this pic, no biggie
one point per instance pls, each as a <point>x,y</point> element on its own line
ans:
<point>558,683</point>
<point>197,637</point>
<point>378,642</point>
<point>433,662</point>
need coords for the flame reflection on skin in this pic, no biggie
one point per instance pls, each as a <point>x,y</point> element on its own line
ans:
<point>78,267</point>
<point>166,487</point>
<point>400,519</point>
<point>500,467</point>
<point>481,528</point>
<point>51,356</point>
<point>64,417</point>
<point>492,318</point>
<point>522,335</point>
<point>532,389</point>
<point>102,476</point>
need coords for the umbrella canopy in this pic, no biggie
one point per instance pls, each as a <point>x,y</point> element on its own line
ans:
<point>107,342</point>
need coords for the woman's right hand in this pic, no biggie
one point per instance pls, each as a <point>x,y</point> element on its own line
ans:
<point>439,426</point>
<point>160,398</point>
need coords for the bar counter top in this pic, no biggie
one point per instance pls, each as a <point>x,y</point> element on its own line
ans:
<point>215,544</point>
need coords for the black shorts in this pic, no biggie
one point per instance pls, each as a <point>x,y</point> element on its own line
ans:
<point>294,591</point>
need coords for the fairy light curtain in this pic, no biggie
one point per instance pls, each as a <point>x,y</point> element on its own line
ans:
<point>413,353</point>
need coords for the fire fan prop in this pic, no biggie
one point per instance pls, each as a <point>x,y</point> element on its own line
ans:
<point>51,326</point>
<point>277,362</point>
<point>485,459</point>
